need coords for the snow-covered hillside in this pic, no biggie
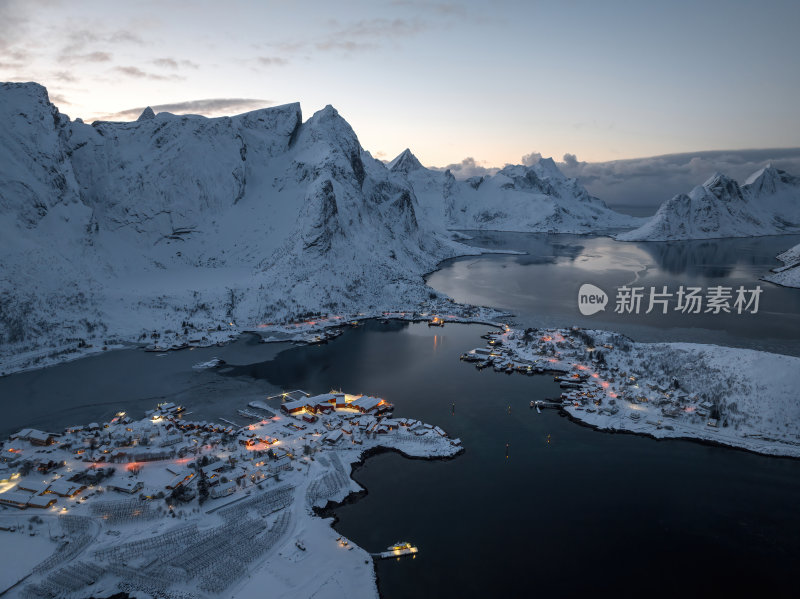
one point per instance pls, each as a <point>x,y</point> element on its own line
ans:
<point>767,204</point>
<point>787,275</point>
<point>183,225</point>
<point>116,230</point>
<point>517,198</point>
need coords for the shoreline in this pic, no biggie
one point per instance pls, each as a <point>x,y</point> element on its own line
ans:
<point>328,511</point>
<point>699,440</point>
<point>662,390</point>
<point>285,504</point>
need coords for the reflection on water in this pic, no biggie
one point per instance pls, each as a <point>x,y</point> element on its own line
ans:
<point>536,498</point>
<point>541,287</point>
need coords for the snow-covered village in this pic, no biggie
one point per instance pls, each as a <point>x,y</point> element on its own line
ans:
<point>399,299</point>
<point>177,508</point>
<point>664,390</point>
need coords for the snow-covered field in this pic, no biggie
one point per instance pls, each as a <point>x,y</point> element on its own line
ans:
<point>737,397</point>
<point>169,507</point>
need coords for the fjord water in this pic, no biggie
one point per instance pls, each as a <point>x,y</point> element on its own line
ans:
<point>570,510</point>
<point>541,286</point>
<point>586,512</point>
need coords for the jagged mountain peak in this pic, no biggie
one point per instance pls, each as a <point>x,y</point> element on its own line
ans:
<point>147,114</point>
<point>767,204</point>
<point>546,169</point>
<point>405,162</point>
<point>28,88</point>
<point>723,188</point>
<point>329,121</point>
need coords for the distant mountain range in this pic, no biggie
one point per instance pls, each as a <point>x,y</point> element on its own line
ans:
<point>517,198</point>
<point>768,203</point>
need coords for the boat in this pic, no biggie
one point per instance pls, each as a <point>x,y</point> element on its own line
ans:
<point>399,549</point>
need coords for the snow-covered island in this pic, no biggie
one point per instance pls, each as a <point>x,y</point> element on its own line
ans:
<point>736,397</point>
<point>169,507</point>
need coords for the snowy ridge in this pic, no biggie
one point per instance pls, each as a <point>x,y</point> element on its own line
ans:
<point>767,204</point>
<point>537,198</point>
<point>182,225</point>
<point>176,228</point>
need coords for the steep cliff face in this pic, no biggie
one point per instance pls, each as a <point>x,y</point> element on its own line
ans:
<point>518,198</point>
<point>113,230</point>
<point>767,204</point>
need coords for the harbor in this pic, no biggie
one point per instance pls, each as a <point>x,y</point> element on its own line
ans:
<point>250,488</point>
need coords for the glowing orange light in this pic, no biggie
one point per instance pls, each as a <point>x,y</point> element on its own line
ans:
<point>595,375</point>
<point>604,384</point>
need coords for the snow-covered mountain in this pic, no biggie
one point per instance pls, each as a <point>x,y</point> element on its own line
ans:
<point>517,198</point>
<point>180,225</point>
<point>114,230</point>
<point>767,204</point>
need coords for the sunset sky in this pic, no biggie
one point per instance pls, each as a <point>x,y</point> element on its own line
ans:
<point>493,81</point>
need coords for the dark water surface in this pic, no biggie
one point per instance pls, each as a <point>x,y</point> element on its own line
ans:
<point>541,287</point>
<point>93,389</point>
<point>587,513</point>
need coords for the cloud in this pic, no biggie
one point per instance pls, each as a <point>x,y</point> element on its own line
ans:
<point>366,34</point>
<point>64,76</point>
<point>356,36</point>
<point>96,56</point>
<point>58,99</point>
<point>442,8</point>
<point>531,159</point>
<point>269,61</point>
<point>171,63</point>
<point>208,107</point>
<point>652,180</point>
<point>15,42</point>
<point>138,73</point>
<point>81,44</point>
<point>469,167</point>
<point>571,160</point>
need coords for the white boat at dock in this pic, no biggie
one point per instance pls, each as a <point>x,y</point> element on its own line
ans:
<point>398,550</point>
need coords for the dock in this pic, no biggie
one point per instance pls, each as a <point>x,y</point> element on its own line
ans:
<point>398,550</point>
<point>539,404</point>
